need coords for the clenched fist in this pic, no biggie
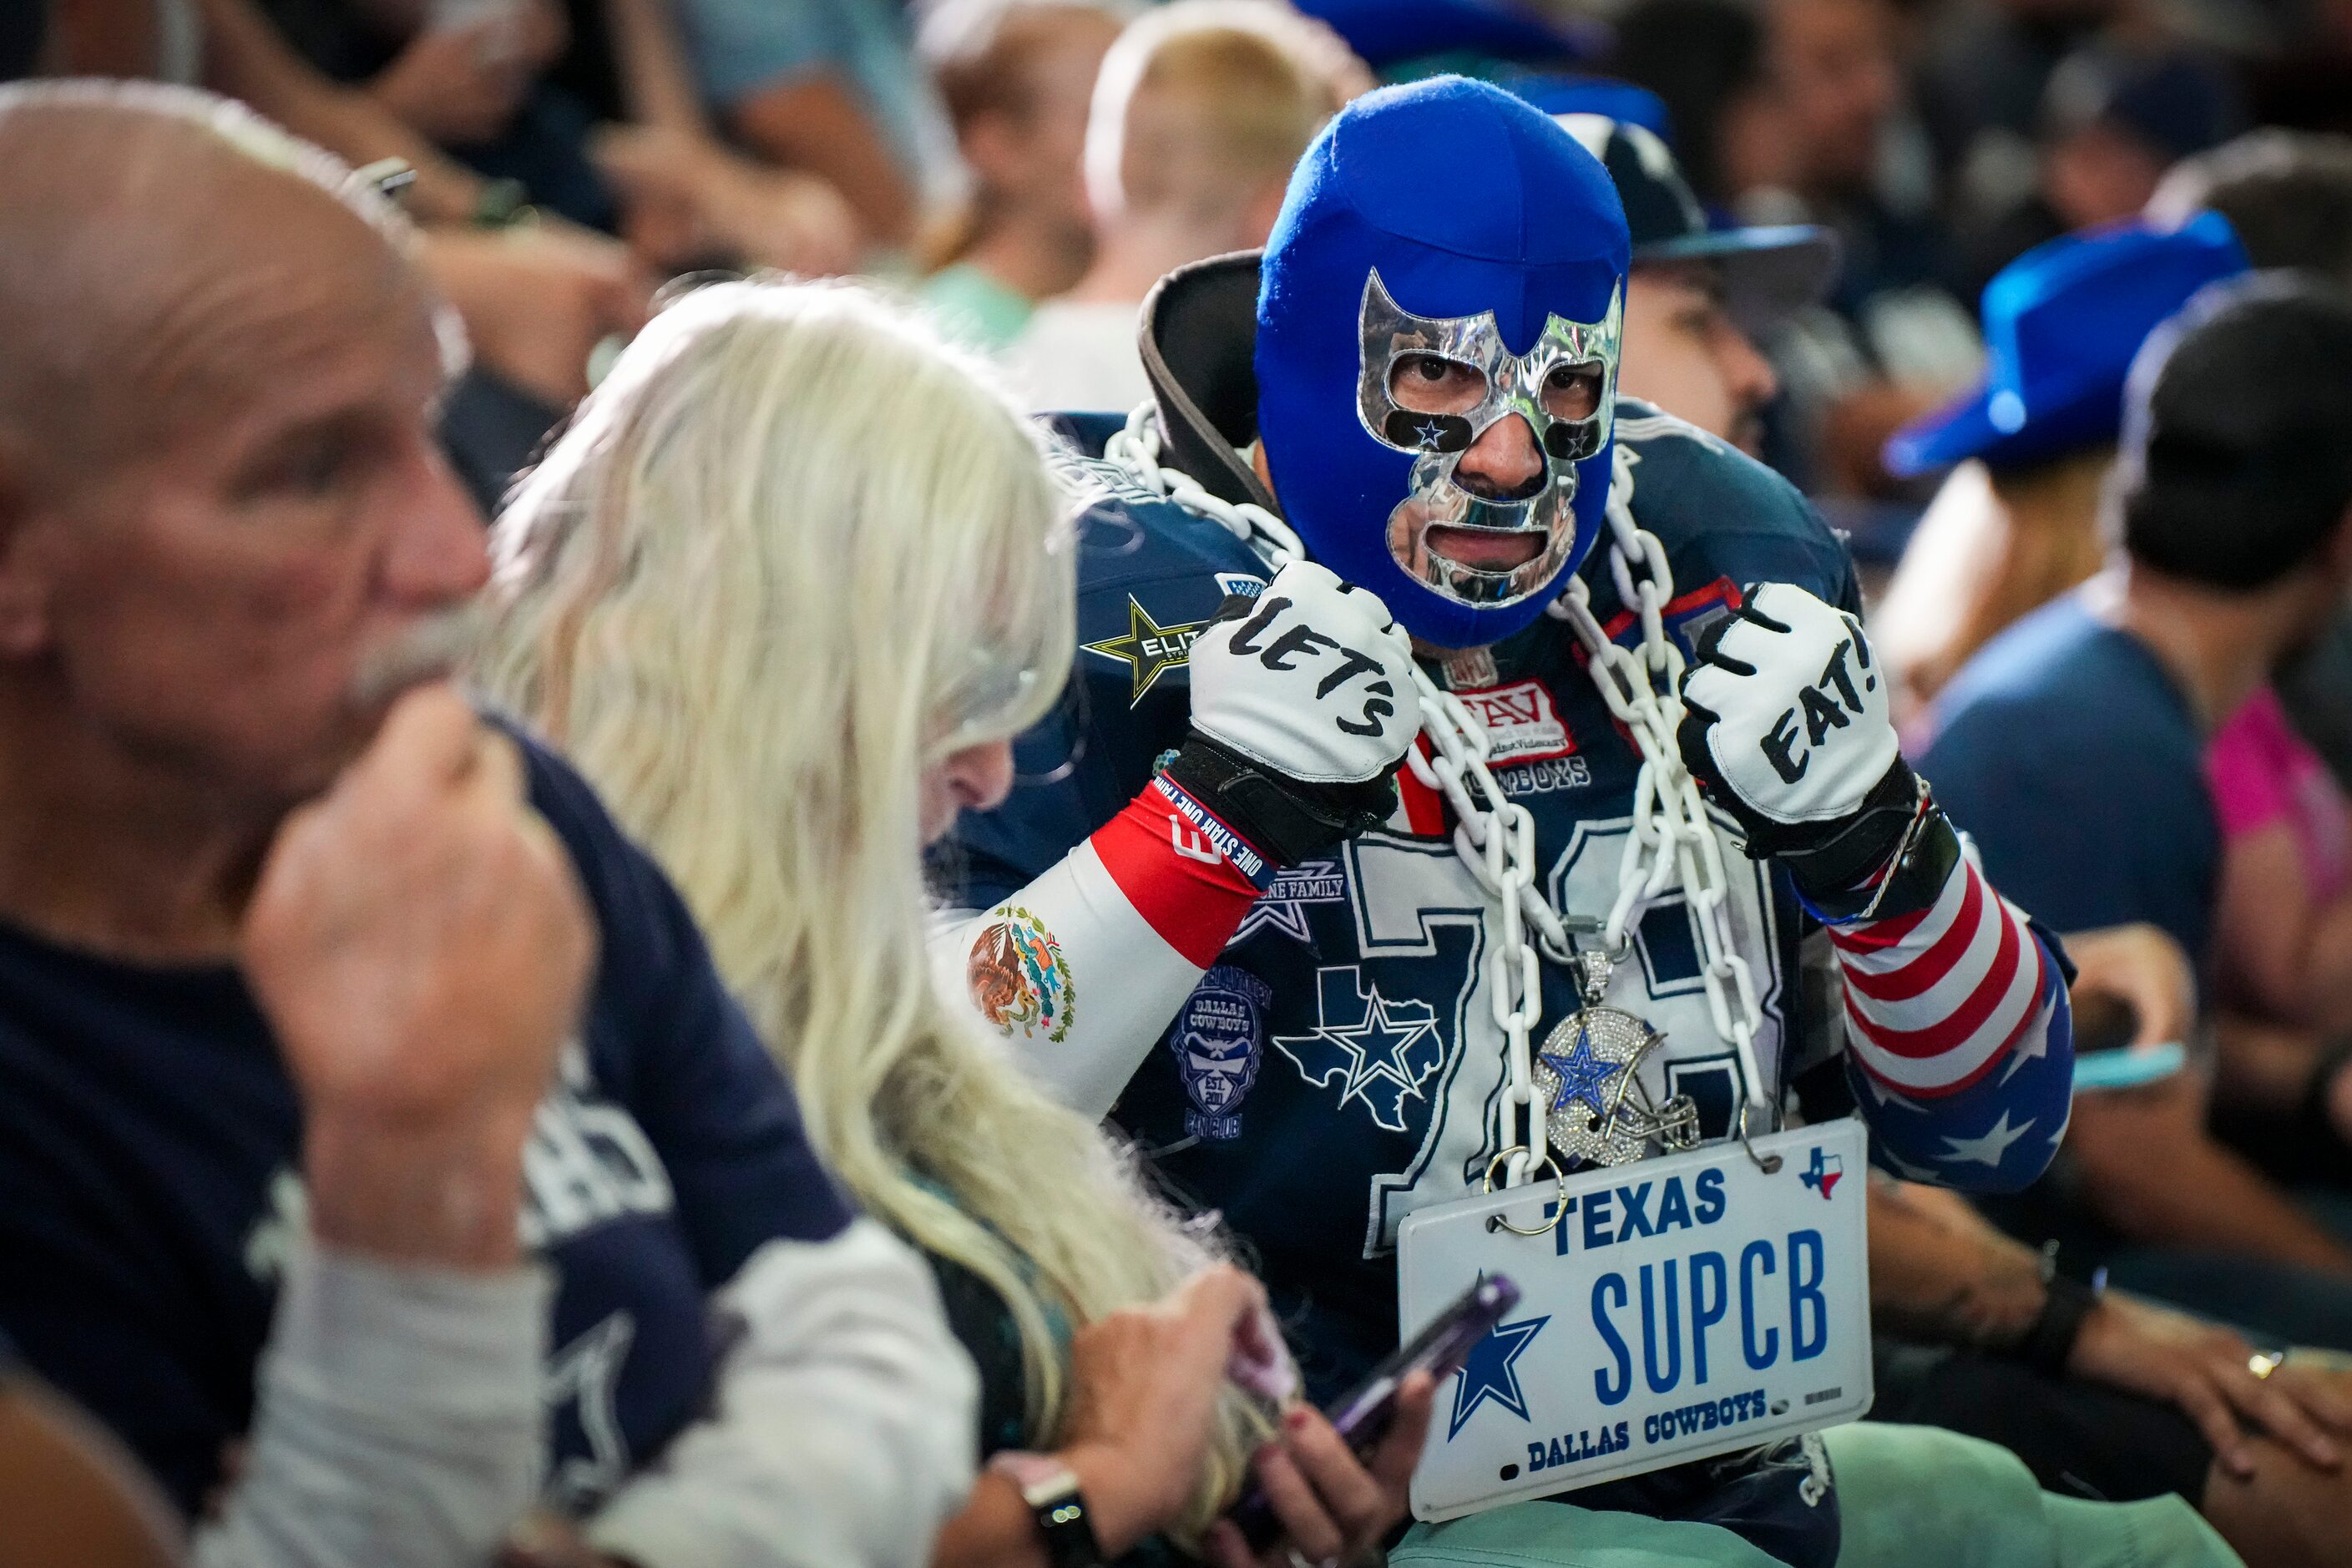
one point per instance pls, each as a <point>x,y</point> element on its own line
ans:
<point>1302,706</point>
<point>1786,727</point>
<point>420,945</point>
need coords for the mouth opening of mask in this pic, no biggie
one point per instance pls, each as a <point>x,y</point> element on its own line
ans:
<point>1487,549</point>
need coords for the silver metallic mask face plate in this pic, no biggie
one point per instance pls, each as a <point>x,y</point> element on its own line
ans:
<point>1513,385</point>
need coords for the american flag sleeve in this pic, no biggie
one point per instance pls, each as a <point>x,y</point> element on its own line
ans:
<point>1961,1042</point>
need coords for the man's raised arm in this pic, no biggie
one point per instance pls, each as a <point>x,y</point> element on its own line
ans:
<point>1302,706</point>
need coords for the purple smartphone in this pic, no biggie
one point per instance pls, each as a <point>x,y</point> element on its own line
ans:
<point>1363,1415</point>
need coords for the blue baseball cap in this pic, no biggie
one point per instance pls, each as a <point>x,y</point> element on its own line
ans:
<point>1390,32</point>
<point>2061,325</point>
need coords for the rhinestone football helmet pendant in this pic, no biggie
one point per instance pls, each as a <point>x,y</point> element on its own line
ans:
<point>1588,1076</point>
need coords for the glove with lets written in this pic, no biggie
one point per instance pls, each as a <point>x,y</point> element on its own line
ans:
<point>1303,705</point>
<point>1786,727</point>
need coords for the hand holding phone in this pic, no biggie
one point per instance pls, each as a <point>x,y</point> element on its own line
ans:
<point>1365,1414</point>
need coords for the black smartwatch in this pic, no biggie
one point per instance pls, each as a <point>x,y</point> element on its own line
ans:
<point>1051,1490</point>
<point>2065,1302</point>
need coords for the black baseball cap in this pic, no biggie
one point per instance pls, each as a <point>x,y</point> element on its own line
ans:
<point>2236,462</point>
<point>1767,271</point>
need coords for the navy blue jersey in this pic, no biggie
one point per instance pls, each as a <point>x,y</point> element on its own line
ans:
<point>1336,1067</point>
<point>150,1179</point>
<point>2073,758</point>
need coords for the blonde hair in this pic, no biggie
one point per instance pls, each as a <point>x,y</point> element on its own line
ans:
<point>787,555</point>
<point>1202,102</point>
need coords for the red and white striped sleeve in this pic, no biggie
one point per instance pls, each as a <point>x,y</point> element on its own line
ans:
<point>1936,1000</point>
<point>1082,970</point>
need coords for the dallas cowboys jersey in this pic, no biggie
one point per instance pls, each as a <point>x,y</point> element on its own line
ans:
<point>1337,1065</point>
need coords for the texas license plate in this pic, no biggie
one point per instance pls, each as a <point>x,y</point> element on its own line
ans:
<point>1682,1307</point>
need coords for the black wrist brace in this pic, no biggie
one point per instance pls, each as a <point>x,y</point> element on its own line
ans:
<point>1286,820</point>
<point>1842,869</point>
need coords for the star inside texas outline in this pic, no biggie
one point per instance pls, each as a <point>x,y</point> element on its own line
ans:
<point>1377,1051</point>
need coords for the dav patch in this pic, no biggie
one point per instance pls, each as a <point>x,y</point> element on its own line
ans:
<point>1218,1040</point>
<point>1521,722</point>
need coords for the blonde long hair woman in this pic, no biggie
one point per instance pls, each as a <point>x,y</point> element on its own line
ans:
<point>783,592</point>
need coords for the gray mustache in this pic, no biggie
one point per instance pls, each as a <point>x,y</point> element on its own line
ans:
<point>433,649</point>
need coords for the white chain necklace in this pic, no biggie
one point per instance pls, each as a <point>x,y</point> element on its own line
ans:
<point>1673,843</point>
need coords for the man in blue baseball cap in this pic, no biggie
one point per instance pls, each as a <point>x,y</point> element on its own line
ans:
<point>2077,740</point>
<point>1392,505</point>
<point>2015,523</point>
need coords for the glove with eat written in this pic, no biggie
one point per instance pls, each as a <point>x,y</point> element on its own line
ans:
<point>1303,705</point>
<point>1785,726</point>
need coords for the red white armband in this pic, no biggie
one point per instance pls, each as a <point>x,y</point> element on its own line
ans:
<point>1082,970</point>
<point>1189,876</point>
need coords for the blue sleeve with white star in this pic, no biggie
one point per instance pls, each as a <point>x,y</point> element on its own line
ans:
<point>1997,1134</point>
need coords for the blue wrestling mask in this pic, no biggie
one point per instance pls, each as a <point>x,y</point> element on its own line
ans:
<point>1447,258</point>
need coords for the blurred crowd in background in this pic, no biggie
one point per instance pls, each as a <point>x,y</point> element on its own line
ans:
<point>973,150</point>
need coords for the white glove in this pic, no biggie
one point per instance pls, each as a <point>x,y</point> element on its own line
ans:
<point>1787,722</point>
<point>1314,683</point>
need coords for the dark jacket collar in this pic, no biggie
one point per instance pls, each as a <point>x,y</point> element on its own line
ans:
<point>1198,336</point>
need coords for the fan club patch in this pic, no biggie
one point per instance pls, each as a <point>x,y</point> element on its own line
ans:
<point>1283,906</point>
<point>1149,650</point>
<point>1520,720</point>
<point>1019,978</point>
<point>1218,1040</point>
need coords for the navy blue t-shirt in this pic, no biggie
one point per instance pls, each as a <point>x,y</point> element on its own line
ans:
<point>2075,762</point>
<point>150,1179</point>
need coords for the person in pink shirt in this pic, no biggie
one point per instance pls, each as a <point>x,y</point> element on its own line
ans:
<point>2283,931</point>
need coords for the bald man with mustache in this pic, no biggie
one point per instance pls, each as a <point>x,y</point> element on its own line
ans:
<point>381,1154</point>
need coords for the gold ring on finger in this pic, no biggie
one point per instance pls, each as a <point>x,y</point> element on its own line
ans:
<point>2262,1364</point>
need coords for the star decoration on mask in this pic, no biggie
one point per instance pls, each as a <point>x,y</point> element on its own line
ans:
<point>1582,1075</point>
<point>1487,1372</point>
<point>1430,432</point>
<point>1149,650</point>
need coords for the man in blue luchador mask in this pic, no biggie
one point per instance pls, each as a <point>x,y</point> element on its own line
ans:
<point>1434,703</point>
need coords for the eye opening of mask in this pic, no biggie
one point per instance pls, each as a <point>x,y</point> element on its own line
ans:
<point>1573,390</point>
<point>1421,382</point>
